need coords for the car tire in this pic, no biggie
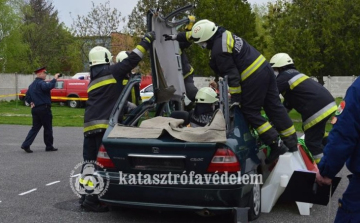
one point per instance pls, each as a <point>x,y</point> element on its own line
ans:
<point>255,202</point>
<point>73,103</point>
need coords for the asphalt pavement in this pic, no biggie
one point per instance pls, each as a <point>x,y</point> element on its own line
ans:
<point>35,187</point>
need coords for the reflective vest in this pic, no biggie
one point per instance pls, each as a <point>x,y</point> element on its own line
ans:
<point>313,101</point>
<point>103,92</point>
<point>245,57</point>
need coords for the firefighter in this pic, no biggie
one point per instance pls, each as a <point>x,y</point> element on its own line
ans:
<point>344,146</point>
<point>205,104</point>
<point>251,83</point>
<point>134,97</point>
<point>103,92</point>
<point>314,102</point>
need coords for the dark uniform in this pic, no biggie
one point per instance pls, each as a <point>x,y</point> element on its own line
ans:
<point>312,101</point>
<point>344,146</point>
<point>134,96</point>
<point>251,83</point>
<point>188,72</point>
<point>39,94</point>
<point>103,91</point>
<point>201,115</point>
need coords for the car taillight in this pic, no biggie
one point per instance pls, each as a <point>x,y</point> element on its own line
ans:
<point>103,158</point>
<point>224,160</point>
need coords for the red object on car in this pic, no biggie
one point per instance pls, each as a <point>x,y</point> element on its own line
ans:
<point>71,91</point>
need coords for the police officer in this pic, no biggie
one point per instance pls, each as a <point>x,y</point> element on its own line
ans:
<point>103,92</point>
<point>251,83</point>
<point>205,104</point>
<point>306,96</point>
<point>344,146</point>
<point>134,96</point>
<point>187,69</point>
<point>38,96</point>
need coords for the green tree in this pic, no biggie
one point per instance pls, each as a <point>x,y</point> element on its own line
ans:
<point>321,36</point>
<point>234,15</point>
<point>50,43</point>
<point>11,47</point>
<point>96,27</point>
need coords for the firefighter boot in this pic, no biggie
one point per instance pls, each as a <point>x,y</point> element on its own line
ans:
<point>291,142</point>
<point>278,148</point>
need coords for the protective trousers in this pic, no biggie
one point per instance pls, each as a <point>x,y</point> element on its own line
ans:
<point>190,87</point>
<point>260,91</point>
<point>349,205</point>
<point>314,137</point>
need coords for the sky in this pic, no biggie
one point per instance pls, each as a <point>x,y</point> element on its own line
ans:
<point>83,7</point>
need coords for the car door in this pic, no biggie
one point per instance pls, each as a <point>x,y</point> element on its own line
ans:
<point>58,92</point>
<point>146,93</point>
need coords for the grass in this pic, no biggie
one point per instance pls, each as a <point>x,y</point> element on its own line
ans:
<point>14,112</point>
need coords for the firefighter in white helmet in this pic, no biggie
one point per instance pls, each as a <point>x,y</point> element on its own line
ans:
<point>205,104</point>
<point>103,92</point>
<point>251,83</point>
<point>306,96</point>
<point>134,97</point>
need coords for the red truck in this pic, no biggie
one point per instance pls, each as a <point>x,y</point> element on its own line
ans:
<point>70,91</point>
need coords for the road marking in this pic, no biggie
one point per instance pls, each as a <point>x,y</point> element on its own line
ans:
<point>55,182</point>
<point>28,192</point>
<point>75,175</point>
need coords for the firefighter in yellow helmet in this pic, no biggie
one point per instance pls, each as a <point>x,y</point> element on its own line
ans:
<point>251,83</point>
<point>306,96</point>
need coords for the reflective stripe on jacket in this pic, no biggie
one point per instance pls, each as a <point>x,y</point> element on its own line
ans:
<point>313,101</point>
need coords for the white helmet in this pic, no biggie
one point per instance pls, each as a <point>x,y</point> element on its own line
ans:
<point>122,55</point>
<point>203,30</point>
<point>281,60</point>
<point>206,95</point>
<point>99,55</point>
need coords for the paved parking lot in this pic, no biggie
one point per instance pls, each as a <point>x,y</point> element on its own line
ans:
<point>35,187</point>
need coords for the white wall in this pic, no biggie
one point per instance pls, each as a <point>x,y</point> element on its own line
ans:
<point>11,84</point>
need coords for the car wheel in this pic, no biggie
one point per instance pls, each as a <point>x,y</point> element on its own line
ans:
<point>73,103</point>
<point>255,202</point>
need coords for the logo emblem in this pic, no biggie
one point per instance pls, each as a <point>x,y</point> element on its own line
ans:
<point>155,149</point>
<point>88,181</point>
<point>197,29</point>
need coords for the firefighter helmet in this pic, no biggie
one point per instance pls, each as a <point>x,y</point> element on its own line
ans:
<point>99,55</point>
<point>281,60</point>
<point>122,55</point>
<point>203,30</point>
<point>206,95</point>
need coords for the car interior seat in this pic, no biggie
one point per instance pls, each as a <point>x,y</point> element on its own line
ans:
<point>181,115</point>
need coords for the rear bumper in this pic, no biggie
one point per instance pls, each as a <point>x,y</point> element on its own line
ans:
<point>214,198</point>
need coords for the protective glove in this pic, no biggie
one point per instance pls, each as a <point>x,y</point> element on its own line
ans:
<point>189,26</point>
<point>149,36</point>
<point>170,37</point>
<point>235,98</point>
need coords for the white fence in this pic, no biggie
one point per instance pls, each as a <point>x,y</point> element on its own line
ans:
<point>10,84</point>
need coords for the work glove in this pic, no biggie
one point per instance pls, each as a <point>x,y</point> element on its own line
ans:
<point>235,98</point>
<point>189,26</point>
<point>170,37</point>
<point>149,37</point>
